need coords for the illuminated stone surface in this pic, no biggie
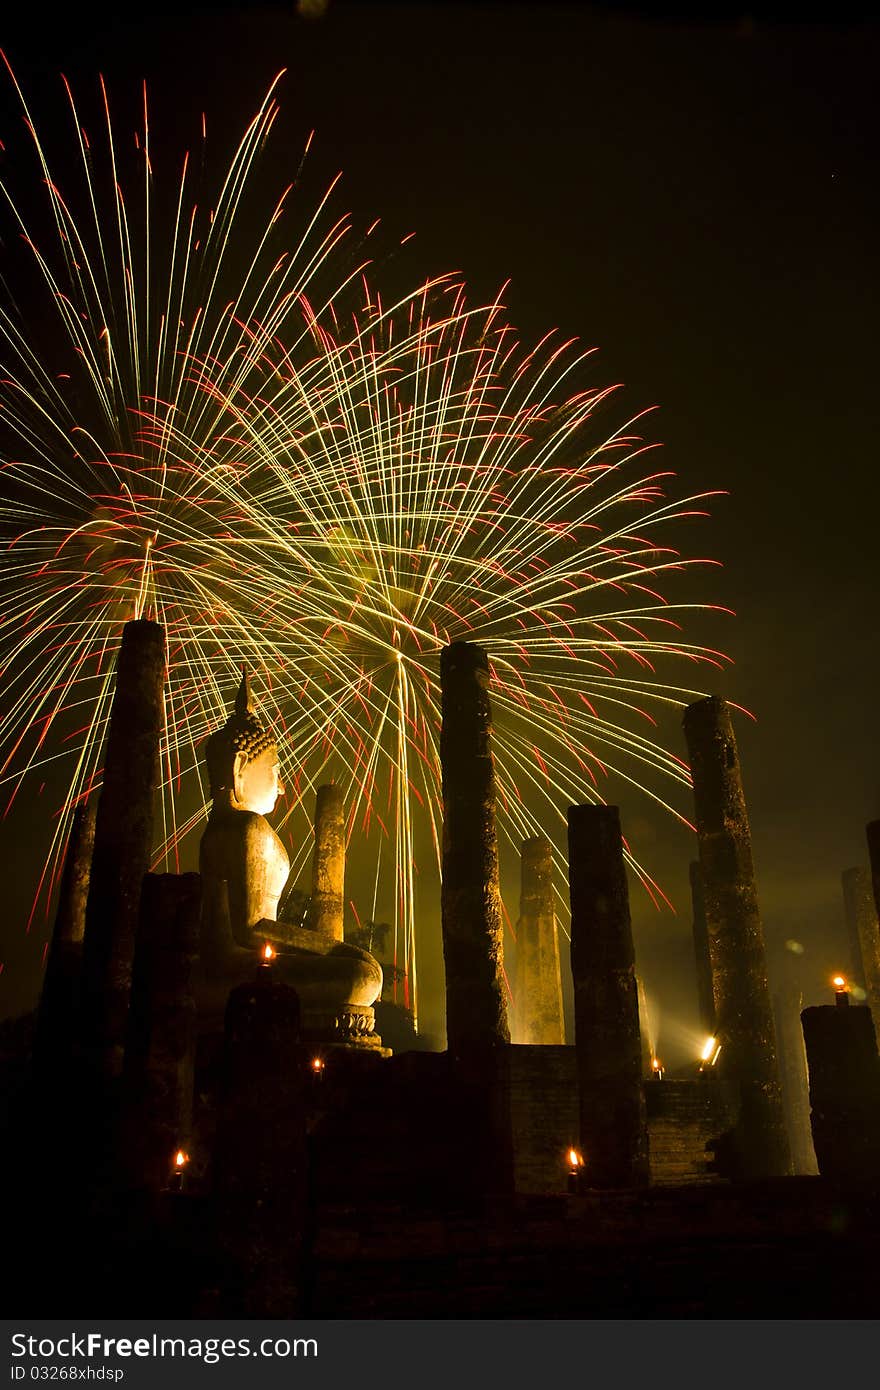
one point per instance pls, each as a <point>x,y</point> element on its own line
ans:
<point>538,989</point>
<point>744,1017</point>
<point>328,863</point>
<point>793,1076</point>
<point>613,1125</point>
<point>645,1029</point>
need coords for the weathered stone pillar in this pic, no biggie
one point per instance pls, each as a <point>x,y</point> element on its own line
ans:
<point>844,1090</point>
<point>326,908</point>
<point>743,1013</point>
<point>70,919</point>
<point>793,1075</point>
<point>161,1033</point>
<point>123,841</point>
<point>58,1016</point>
<point>476,1012</point>
<point>862,911</point>
<point>261,1163</point>
<point>702,959</point>
<point>613,1124</point>
<point>538,991</point>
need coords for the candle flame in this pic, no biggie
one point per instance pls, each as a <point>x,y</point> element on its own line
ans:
<point>839,983</point>
<point>574,1158</point>
<point>656,1064</point>
<point>708,1048</point>
<point>268,952</point>
<point>317,1064</point>
<point>181,1159</point>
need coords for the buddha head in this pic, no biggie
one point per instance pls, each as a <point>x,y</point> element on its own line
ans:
<point>242,760</point>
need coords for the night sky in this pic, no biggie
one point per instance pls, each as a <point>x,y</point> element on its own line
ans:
<point>700,202</point>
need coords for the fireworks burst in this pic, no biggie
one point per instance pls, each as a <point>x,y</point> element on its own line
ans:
<point>328,489</point>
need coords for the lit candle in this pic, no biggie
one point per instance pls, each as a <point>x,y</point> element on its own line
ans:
<point>841,991</point>
<point>657,1068</point>
<point>575,1164</point>
<point>318,1067</point>
<point>181,1159</point>
<point>267,956</point>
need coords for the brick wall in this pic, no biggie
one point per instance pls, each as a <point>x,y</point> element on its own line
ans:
<point>684,1117</point>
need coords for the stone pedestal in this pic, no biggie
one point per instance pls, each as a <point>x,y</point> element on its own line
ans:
<point>743,1013</point>
<point>326,908</point>
<point>844,1091</point>
<point>261,1179</point>
<point>613,1126</point>
<point>476,1011</point>
<point>161,1034</point>
<point>58,1020</point>
<point>336,983</point>
<point>123,842</point>
<point>702,958</point>
<point>793,1074</point>
<point>538,989</point>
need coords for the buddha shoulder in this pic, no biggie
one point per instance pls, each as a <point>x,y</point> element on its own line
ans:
<point>247,829</point>
<point>248,826</point>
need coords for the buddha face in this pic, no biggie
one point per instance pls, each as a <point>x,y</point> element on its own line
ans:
<point>257,783</point>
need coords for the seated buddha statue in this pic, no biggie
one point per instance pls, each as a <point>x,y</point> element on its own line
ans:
<point>240,856</point>
<point>245,868</point>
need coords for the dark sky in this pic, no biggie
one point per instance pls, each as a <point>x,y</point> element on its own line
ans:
<point>700,201</point>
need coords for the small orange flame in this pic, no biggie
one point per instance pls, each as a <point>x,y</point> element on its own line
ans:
<point>268,952</point>
<point>181,1159</point>
<point>709,1047</point>
<point>656,1064</point>
<point>574,1158</point>
<point>317,1064</point>
<point>839,983</point>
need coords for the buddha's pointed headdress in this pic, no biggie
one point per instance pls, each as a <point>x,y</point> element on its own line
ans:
<point>243,732</point>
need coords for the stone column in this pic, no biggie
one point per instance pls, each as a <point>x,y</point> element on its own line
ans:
<point>866,923</point>
<point>476,1011</point>
<point>70,920</point>
<point>613,1124</point>
<point>844,1090</point>
<point>123,840</point>
<point>743,1013</point>
<point>702,959</point>
<point>538,991</point>
<point>261,1180</point>
<point>161,1034</point>
<point>328,864</point>
<point>58,1016</point>
<point>793,1074</point>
